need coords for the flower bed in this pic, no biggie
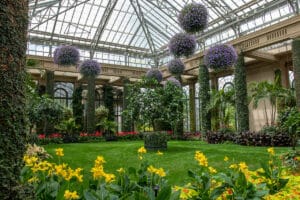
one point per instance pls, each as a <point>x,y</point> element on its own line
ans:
<point>60,181</point>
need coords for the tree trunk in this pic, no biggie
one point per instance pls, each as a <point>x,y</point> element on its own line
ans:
<point>13,31</point>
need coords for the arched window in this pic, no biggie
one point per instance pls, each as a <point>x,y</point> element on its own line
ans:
<point>63,93</point>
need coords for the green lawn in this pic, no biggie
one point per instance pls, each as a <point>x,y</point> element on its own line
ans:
<point>176,160</point>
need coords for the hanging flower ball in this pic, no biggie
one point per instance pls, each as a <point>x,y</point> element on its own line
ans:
<point>182,44</point>
<point>220,56</point>
<point>176,66</point>
<point>172,80</point>
<point>154,73</point>
<point>193,17</point>
<point>66,55</point>
<point>90,68</point>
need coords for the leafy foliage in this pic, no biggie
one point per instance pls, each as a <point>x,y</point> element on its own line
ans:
<point>241,101</point>
<point>149,102</point>
<point>91,104</point>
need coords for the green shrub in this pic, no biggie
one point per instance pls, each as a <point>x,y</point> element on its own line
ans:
<point>155,140</point>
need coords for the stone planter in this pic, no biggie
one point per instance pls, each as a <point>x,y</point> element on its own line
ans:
<point>154,141</point>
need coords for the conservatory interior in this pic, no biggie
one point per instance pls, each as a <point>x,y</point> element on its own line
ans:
<point>100,98</point>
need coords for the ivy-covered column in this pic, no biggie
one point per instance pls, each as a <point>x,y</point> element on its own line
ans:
<point>126,124</point>
<point>77,106</point>
<point>13,120</point>
<point>296,64</point>
<point>108,97</point>
<point>204,98</point>
<point>49,76</point>
<point>90,114</point>
<point>192,107</point>
<point>241,101</point>
<point>90,69</point>
<point>215,116</point>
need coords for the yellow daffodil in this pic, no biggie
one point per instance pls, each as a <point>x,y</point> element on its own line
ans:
<point>271,151</point>
<point>121,170</point>
<point>30,160</point>
<point>109,177</point>
<point>142,150</point>
<point>226,158</point>
<point>212,170</point>
<point>159,171</point>
<point>186,193</point>
<point>71,195</point>
<point>59,152</point>
<point>99,161</point>
<point>159,153</point>
<point>33,180</point>
<point>233,166</point>
<point>200,157</point>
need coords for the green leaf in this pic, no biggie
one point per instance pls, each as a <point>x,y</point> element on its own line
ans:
<point>165,193</point>
<point>89,196</point>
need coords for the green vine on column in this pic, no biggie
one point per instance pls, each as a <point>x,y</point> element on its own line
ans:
<point>240,84</point>
<point>204,97</point>
<point>296,63</point>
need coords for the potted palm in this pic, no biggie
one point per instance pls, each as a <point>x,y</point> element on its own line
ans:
<point>108,128</point>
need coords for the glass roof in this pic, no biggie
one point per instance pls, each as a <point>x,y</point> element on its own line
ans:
<point>136,32</point>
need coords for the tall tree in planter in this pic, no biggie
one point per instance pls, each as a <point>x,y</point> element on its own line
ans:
<point>204,97</point>
<point>241,101</point>
<point>126,122</point>
<point>296,63</point>
<point>108,98</point>
<point>90,69</point>
<point>13,123</point>
<point>77,106</point>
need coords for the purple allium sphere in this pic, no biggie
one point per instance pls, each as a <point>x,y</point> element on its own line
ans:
<point>220,56</point>
<point>193,17</point>
<point>154,73</point>
<point>90,68</point>
<point>66,55</point>
<point>176,66</point>
<point>173,81</point>
<point>182,44</point>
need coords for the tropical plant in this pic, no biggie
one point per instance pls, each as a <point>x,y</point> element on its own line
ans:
<point>224,101</point>
<point>182,44</point>
<point>108,127</point>
<point>193,17</point>
<point>265,91</point>
<point>67,127</point>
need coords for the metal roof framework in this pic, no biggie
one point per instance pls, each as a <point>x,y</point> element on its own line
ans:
<point>137,32</point>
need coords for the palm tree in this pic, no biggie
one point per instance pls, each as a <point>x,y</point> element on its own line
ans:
<point>265,91</point>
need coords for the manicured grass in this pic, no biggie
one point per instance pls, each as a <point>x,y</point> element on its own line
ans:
<point>176,160</point>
